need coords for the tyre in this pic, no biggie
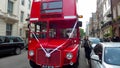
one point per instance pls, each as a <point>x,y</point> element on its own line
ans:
<point>33,65</point>
<point>17,51</point>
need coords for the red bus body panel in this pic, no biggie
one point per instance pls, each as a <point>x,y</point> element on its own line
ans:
<point>66,17</point>
<point>68,10</point>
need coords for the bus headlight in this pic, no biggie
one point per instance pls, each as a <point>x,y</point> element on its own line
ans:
<point>69,56</point>
<point>31,53</point>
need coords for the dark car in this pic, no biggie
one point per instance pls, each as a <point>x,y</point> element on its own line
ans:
<point>11,44</point>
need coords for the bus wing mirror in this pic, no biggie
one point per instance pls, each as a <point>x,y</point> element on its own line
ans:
<point>79,23</point>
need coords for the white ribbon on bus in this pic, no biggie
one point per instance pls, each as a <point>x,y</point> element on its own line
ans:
<point>49,54</point>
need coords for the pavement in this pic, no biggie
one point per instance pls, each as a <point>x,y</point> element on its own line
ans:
<point>83,60</point>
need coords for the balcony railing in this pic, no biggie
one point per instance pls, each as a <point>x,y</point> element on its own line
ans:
<point>12,17</point>
<point>2,14</point>
<point>106,24</point>
<point>9,17</point>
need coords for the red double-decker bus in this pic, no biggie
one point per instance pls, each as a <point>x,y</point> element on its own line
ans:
<point>54,35</point>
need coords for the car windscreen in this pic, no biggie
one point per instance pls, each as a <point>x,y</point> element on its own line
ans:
<point>94,40</point>
<point>112,55</point>
<point>2,39</point>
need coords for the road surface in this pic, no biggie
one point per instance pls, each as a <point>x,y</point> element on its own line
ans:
<point>21,61</point>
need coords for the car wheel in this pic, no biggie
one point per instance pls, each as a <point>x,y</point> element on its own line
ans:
<point>17,51</point>
<point>33,65</point>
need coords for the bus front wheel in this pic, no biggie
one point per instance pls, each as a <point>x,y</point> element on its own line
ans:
<point>33,65</point>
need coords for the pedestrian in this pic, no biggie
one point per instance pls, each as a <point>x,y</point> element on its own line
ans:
<point>98,50</point>
<point>109,39</point>
<point>87,47</point>
<point>116,39</point>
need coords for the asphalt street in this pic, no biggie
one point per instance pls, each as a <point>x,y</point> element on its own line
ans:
<point>21,61</point>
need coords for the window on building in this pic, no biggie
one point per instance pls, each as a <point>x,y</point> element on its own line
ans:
<point>26,32</point>
<point>118,9</point>
<point>8,29</point>
<point>22,2</point>
<point>10,7</point>
<point>106,5</point>
<point>22,16</point>
<point>29,4</point>
<point>109,2</point>
<point>20,32</point>
<point>114,13</point>
<point>54,6</point>
<point>28,15</point>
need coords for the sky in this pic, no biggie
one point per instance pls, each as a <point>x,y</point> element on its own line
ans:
<point>86,8</point>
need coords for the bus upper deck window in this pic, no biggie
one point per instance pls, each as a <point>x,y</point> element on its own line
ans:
<point>53,6</point>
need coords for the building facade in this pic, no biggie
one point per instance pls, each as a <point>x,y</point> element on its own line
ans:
<point>87,29</point>
<point>24,13</point>
<point>116,17</point>
<point>12,17</point>
<point>93,25</point>
<point>9,17</point>
<point>99,13</point>
<point>106,27</point>
<point>108,18</point>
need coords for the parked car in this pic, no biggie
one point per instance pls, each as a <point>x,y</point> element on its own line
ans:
<point>94,41</point>
<point>106,55</point>
<point>11,44</point>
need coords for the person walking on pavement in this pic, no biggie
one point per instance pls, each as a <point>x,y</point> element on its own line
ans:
<point>87,47</point>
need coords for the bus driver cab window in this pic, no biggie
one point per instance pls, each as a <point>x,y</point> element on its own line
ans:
<point>38,30</point>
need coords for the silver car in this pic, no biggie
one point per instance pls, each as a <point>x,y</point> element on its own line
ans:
<point>106,55</point>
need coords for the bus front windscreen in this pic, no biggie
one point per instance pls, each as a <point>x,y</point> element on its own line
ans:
<point>38,30</point>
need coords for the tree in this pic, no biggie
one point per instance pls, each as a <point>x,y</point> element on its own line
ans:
<point>82,33</point>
